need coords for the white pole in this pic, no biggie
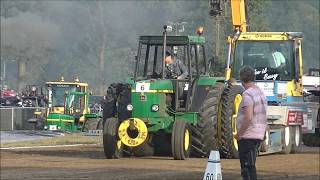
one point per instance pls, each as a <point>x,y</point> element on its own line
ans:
<point>12,123</point>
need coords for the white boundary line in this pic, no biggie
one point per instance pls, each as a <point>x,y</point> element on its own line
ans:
<point>35,147</point>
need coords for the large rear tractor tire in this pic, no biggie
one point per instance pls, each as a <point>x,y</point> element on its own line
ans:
<point>109,103</point>
<point>204,134</point>
<point>117,98</point>
<point>123,100</point>
<point>180,140</point>
<point>230,102</point>
<point>111,143</point>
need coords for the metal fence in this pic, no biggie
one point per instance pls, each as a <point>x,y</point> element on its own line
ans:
<point>16,118</point>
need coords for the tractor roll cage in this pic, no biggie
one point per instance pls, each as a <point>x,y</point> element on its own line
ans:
<point>190,44</point>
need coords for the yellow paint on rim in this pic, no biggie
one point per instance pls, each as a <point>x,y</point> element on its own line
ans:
<point>236,104</point>
<point>133,141</point>
<point>186,139</point>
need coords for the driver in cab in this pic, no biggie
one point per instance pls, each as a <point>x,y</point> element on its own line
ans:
<point>277,56</point>
<point>175,69</point>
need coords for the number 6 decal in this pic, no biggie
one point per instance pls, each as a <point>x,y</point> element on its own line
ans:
<point>142,87</point>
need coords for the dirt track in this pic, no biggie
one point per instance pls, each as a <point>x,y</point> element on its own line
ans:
<point>87,162</point>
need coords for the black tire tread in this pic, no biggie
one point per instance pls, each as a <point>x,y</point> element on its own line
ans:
<point>227,101</point>
<point>203,138</point>
<point>110,138</point>
<point>177,140</point>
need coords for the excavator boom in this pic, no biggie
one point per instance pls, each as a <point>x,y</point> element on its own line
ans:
<point>238,13</point>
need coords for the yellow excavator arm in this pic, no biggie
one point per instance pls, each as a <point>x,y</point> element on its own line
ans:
<point>238,13</point>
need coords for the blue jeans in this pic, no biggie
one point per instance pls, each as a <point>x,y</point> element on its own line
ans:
<point>248,149</point>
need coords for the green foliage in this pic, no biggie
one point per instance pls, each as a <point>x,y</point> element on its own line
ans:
<point>302,16</point>
<point>255,14</point>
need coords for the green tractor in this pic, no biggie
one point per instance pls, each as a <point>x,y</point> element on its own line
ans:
<point>152,115</point>
<point>76,116</point>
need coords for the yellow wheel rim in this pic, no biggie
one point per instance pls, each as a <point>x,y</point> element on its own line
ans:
<point>186,139</point>
<point>140,127</point>
<point>236,105</point>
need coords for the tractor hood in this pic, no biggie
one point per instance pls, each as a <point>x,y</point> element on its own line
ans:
<point>153,85</point>
<point>60,117</point>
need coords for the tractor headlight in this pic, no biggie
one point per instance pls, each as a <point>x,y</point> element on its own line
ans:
<point>45,127</point>
<point>155,108</point>
<point>129,107</point>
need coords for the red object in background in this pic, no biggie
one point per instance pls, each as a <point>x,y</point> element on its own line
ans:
<point>9,93</point>
<point>295,117</point>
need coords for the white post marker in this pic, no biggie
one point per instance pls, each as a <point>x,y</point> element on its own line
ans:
<point>213,170</point>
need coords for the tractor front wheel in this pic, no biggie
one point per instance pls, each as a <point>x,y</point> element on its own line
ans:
<point>180,140</point>
<point>112,145</point>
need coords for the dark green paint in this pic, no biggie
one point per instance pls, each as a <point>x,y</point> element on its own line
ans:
<point>142,108</point>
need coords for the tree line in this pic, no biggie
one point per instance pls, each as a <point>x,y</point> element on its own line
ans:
<point>97,40</point>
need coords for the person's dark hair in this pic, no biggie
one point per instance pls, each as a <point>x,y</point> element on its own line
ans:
<point>247,74</point>
<point>169,52</point>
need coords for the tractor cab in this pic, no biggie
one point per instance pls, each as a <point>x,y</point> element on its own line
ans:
<point>277,60</point>
<point>57,91</point>
<point>150,71</point>
<point>76,103</point>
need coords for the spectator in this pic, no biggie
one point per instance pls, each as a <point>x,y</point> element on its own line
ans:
<point>251,123</point>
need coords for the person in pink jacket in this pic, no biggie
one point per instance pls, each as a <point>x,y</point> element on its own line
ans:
<point>251,123</point>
